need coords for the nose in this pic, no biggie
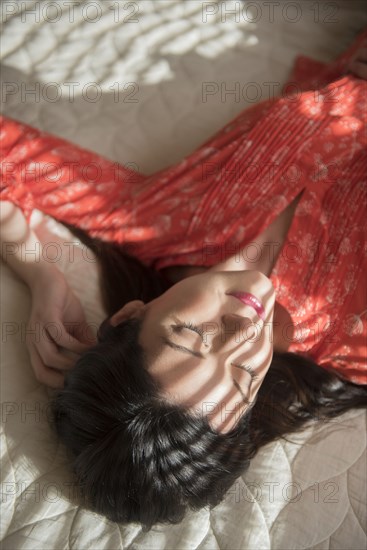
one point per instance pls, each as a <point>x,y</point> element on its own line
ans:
<point>235,330</point>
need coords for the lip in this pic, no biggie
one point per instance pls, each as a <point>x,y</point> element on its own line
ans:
<point>250,300</point>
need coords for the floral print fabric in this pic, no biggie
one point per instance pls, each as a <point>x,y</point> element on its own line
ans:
<point>221,197</point>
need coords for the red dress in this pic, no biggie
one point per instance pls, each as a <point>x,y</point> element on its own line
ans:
<point>222,196</point>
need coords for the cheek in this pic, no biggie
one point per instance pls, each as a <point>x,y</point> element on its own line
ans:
<point>188,306</point>
<point>260,358</point>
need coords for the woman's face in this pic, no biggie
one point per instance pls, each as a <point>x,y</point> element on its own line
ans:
<point>216,373</point>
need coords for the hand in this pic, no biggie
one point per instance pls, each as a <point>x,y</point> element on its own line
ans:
<point>358,65</point>
<point>57,321</point>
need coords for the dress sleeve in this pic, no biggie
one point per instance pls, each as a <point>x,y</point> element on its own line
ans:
<point>41,171</point>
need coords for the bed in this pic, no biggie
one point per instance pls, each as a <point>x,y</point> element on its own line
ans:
<point>144,83</point>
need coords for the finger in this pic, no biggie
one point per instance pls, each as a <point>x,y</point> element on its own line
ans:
<point>60,336</point>
<point>45,375</point>
<point>84,334</point>
<point>51,356</point>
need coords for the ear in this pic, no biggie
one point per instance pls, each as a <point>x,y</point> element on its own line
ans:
<point>131,309</point>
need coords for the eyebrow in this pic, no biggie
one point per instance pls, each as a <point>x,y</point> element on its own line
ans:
<point>189,351</point>
<point>244,398</point>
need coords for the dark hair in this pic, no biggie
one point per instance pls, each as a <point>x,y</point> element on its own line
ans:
<point>139,458</point>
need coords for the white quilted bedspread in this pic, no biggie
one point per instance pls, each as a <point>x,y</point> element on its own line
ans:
<point>126,79</point>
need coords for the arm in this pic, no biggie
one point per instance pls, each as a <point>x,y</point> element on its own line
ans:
<point>20,247</point>
<point>55,312</point>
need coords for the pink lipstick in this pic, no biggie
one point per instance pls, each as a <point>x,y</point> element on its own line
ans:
<point>250,300</point>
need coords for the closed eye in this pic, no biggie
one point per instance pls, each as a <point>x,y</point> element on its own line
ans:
<point>248,369</point>
<point>177,329</point>
<point>254,376</point>
<point>190,326</point>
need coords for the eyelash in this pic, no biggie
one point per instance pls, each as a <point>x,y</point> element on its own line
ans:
<point>250,370</point>
<point>190,325</point>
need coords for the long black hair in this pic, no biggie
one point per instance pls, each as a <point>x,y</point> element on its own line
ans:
<point>138,457</point>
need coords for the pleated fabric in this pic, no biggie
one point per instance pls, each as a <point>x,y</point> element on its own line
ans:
<point>221,197</point>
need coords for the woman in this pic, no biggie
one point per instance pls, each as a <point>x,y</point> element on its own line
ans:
<point>212,347</point>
